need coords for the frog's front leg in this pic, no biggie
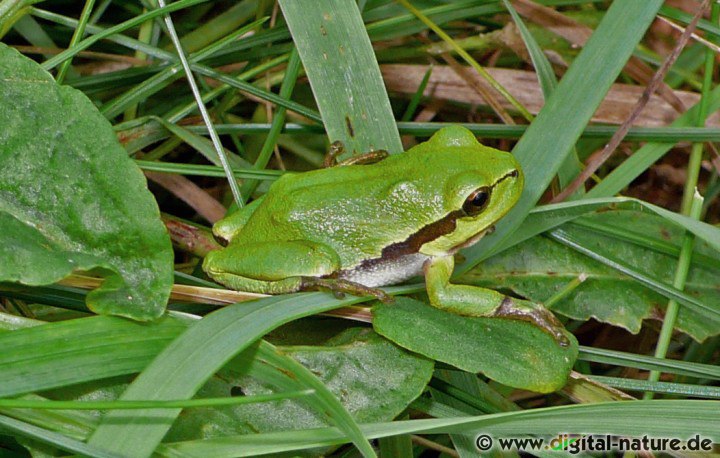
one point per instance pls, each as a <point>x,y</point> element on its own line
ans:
<point>226,229</point>
<point>281,267</point>
<point>481,302</point>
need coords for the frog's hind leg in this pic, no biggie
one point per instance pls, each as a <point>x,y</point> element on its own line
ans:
<point>282,267</point>
<point>475,301</point>
<point>339,285</point>
<point>270,267</point>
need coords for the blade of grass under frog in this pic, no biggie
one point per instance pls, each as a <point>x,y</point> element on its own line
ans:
<point>553,133</point>
<point>344,75</point>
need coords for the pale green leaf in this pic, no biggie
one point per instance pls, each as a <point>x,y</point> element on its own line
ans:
<point>71,199</point>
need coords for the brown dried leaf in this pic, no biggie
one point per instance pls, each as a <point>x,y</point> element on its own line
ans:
<point>578,34</point>
<point>190,193</point>
<point>445,84</point>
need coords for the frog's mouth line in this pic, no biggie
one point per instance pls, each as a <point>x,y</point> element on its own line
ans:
<point>488,230</point>
<point>443,226</point>
<point>472,240</point>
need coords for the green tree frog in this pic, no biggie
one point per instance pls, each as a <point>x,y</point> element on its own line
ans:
<point>356,226</point>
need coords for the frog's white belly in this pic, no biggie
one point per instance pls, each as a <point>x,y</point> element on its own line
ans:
<point>379,272</point>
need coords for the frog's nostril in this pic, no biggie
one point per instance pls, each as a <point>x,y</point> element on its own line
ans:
<point>514,174</point>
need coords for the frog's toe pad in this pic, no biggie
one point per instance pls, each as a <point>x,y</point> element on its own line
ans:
<point>537,314</point>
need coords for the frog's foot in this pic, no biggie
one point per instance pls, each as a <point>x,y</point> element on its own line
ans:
<point>338,285</point>
<point>337,149</point>
<point>518,309</point>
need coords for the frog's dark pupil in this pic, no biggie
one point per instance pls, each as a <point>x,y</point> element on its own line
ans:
<point>477,201</point>
<point>480,199</point>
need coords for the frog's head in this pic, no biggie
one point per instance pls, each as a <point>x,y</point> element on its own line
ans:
<point>479,186</point>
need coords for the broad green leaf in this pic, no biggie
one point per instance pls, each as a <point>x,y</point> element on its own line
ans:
<point>511,352</point>
<point>389,374</point>
<point>340,63</point>
<point>392,374</point>
<point>184,366</point>
<point>539,268</point>
<point>72,199</point>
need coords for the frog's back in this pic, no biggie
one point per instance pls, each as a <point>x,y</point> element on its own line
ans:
<point>357,210</point>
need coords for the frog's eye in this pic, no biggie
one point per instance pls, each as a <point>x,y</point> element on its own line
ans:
<point>477,201</point>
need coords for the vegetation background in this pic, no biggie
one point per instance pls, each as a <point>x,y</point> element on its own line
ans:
<point>626,254</point>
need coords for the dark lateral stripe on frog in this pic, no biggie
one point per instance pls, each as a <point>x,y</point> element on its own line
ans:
<point>412,244</point>
<point>415,241</point>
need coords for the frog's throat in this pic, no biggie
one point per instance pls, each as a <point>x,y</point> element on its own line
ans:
<point>472,240</point>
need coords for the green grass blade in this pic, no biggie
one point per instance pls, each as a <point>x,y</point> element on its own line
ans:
<point>50,437</point>
<point>557,127</point>
<point>135,21</point>
<point>133,405</point>
<point>75,351</point>
<point>286,90</point>
<point>169,57</point>
<point>206,170</point>
<point>548,82</point>
<point>665,418</point>
<point>202,145</point>
<point>168,74</point>
<point>683,389</point>
<point>624,359</point>
<point>417,96</point>
<point>343,72</point>
<point>186,364</point>
<point>190,77</point>
<point>77,35</point>
<point>426,129</point>
<point>547,217</point>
